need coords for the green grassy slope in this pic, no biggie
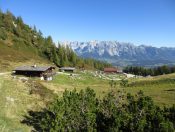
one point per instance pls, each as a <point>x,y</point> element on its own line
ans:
<point>24,46</point>
<point>11,56</point>
<point>16,100</point>
<point>20,42</point>
<point>161,88</point>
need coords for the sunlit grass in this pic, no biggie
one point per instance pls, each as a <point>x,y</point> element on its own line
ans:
<point>15,101</point>
<point>161,88</point>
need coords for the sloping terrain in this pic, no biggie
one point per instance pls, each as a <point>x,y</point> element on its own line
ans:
<point>17,97</point>
<point>20,42</point>
<point>22,45</point>
<point>160,88</point>
<point>11,57</point>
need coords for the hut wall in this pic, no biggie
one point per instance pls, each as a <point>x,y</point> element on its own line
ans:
<point>29,73</point>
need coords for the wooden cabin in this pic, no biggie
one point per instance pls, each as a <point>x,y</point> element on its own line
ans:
<point>44,72</point>
<point>67,69</point>
<point>110,70</point>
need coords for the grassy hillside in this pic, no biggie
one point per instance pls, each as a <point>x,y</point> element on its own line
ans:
<point>23,45</point>
<point>160,88</point>
<point>20,42</point>
<point>15,101</point>
<point>19,96</point>
<point>11,57</point>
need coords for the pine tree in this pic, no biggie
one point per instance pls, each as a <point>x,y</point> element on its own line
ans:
<point>55,57</point>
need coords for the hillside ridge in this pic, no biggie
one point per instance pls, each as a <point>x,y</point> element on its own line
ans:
<point>21,43</point>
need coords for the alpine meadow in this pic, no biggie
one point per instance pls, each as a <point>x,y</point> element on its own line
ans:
<point>69,73</point>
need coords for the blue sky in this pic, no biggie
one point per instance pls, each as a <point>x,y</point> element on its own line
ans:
<point>150,22</point>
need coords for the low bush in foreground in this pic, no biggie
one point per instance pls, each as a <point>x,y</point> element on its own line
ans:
<point>82,111</point>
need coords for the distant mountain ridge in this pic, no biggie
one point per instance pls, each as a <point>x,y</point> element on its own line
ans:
<point>123,54</point>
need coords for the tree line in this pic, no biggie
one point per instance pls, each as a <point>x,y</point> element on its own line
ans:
<point>14,30</point>
<point>83,111</point>
<point>160,70</point>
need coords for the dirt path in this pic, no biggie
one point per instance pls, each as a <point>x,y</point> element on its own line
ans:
<point>4,73</point>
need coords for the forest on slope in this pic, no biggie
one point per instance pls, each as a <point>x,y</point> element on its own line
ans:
<point>20,42</point>
<point>160,70</point>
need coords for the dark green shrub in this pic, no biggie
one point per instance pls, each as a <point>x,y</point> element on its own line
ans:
<point>82,111</point>
<point>124,83</point>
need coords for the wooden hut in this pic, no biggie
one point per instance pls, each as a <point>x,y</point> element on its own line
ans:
<point>67,69</point>
<point>110,70</point>
<point>44,72</point>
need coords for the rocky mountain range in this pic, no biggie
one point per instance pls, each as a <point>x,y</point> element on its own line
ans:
<point>122,54</point>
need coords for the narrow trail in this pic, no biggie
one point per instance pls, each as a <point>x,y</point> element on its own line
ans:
<point>4,73</point>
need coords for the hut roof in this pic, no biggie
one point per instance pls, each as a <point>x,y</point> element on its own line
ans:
<point>67,68</point>
<point>33,68</point>
<point>110,69</point>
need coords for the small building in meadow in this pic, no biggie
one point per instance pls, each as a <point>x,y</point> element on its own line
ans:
<point>44,72</point>
<point>112,70</point>
<point>67,69</point>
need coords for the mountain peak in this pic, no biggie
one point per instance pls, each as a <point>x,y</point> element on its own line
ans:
<point>121,53</point>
